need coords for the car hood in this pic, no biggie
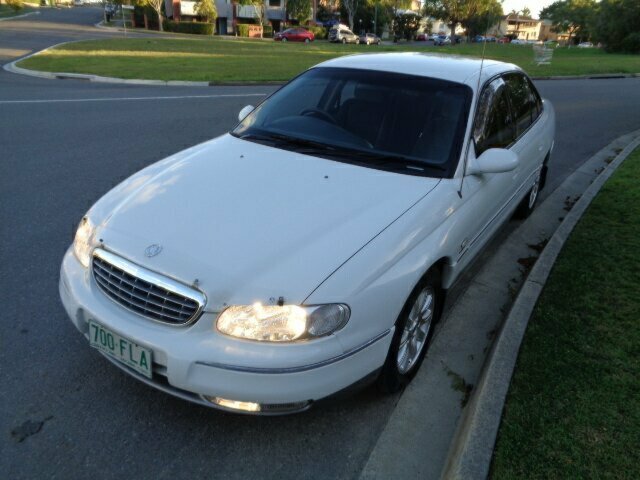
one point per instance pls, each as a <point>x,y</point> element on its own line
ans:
<point>247,222</point>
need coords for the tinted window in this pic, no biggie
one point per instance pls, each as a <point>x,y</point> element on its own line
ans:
<point>493,127</point>
<point>386,114</point>
<point>523,101</point>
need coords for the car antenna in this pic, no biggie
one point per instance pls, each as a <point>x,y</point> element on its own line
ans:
<point>466,155</point>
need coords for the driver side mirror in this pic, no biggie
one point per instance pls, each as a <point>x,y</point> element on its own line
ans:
<point>244,112</point>
<point>493,160</point>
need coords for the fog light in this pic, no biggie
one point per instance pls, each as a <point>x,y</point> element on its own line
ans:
<point>235,404</point>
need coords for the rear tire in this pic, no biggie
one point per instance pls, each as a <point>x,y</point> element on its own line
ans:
<point>344,41</point>
<point>306,40</point>
<point>413,332</point>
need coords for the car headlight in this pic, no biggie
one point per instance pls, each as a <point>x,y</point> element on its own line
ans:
<point>82,242</point>
<point>286,323</point>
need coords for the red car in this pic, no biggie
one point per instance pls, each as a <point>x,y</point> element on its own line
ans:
<point>295,35</point>
<point>504,40</point>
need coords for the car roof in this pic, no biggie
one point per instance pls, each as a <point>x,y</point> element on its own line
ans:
<point>453,68</point>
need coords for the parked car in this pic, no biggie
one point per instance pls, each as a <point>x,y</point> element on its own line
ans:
<point>297,34</point>
<point>478,39</point>
<point>422,37</point>
<point>342,34</point>
<point>312,246</point>
<point>442,40</point>
<point>504,40</point>
<point>369,39</point>
<point>517,41</point>
<point>490,38</point>
<point>585,45</point>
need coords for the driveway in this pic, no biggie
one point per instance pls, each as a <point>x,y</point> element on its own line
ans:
<point>65,411</point>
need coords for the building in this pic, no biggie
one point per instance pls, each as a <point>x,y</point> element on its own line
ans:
<point>523,28</point>
<point>229,13</point>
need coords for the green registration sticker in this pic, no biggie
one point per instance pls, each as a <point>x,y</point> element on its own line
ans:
<point>120,348</point>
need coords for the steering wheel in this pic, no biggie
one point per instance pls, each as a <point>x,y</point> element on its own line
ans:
<point>321,114</point>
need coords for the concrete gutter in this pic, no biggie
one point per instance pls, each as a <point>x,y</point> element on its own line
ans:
<point>472,449</point>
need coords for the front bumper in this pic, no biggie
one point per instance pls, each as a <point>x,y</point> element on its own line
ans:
<point>196,362</point>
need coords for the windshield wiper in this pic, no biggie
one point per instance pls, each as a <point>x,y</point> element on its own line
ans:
<point>381,160</point>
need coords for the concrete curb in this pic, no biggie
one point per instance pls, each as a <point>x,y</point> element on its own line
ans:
<point>13,68</point>
<point>471,451</point>
<point>19,16</point>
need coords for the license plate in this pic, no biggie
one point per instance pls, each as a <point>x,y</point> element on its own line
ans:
<point>120,348</point>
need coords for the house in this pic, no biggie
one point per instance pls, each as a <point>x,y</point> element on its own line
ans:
<point>523,28</point>
<point>229,13</point>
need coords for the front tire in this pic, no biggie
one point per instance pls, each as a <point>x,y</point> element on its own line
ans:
<point>284,40</point>
<point>344,41</point>
<point>413,332</point>
<point>528,203</point>
<point>306,40</point>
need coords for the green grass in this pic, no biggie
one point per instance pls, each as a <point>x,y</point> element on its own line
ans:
<point>573,409</point>
<point>219,60</point>
<point>6,11</point>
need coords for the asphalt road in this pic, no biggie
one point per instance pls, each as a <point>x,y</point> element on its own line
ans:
<point>65,411</point>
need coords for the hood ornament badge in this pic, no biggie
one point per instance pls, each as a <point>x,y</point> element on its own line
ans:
<point>152,250</point>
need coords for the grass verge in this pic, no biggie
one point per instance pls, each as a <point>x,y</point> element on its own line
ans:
<point>218,60</point>
<point>573,408</point>
<point>6,11</point>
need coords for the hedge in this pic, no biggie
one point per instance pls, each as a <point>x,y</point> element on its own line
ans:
<point>197,28</point>
<point>319,32</point>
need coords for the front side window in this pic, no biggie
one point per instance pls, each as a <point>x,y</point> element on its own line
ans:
<point>493,126</point>
<point>379,119</point>
<point>523,101</point>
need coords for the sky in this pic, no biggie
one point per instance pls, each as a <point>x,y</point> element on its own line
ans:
<point>534,5</point>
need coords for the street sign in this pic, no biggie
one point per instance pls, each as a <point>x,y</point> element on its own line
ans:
<point>128,7</point>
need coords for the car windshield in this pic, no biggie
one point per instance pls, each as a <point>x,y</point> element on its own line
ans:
<point>390,121</point>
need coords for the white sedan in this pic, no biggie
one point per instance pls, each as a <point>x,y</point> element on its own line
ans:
<point>311,247</point>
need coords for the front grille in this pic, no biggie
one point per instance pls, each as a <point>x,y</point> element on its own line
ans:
<point>144,292</point>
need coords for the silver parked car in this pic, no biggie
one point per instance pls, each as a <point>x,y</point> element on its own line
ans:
<point>342,34</point>
<point>369,39</point>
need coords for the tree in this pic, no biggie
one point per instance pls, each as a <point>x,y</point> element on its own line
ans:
<point>526,12</point>
<point>261,11</point>
<point>350,6</point>
<point>207,10</point>
<point>157,7</point>
<point>299,9</point>
<point>455,11</point>
<point>483,20</point>
<point>617,25</point>
<point>407,25</point>
<point>571,16</point>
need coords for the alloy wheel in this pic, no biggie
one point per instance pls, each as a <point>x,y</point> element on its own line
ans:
<point>416,330</point>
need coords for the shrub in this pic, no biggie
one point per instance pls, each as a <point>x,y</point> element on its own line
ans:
<point>196,28</point>
<point>243,29</point>
<point>319,32</point>
<point>16,5</point>
<point>631,43</point>
<point>267,31</point>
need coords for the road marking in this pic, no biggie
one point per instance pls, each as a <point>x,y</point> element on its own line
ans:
<point>176,97</point>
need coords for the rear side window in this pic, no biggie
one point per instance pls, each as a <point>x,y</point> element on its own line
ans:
<point>523,101</point>
<point>494,126</point>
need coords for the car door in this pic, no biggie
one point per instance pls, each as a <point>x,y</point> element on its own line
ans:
<point>529,144</point>
<point>488,196</point>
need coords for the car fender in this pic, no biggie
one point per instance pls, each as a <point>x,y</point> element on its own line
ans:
<point>379,278</point>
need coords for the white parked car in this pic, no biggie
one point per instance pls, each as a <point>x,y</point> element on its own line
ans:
<point>312,246</point>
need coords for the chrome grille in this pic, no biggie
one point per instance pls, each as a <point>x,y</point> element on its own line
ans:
<point>145,292</point>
